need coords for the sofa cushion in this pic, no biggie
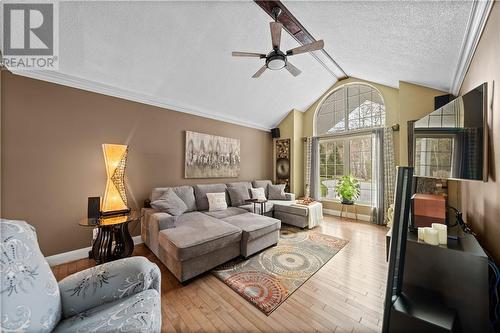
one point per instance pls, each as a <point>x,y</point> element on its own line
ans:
<point>250,208</point>
<point>276,192</point>
<point>258,193</point>
<point>238,195</point>
<point>186,193</point>
<point>246,185</point>
<point>290,209</point>
<point>253,225</point>
<point>196,234</point>
<point>200,192</point>
<point>169,203</point>
<point>262,183</point>
<point>216,201</point>
<point>230,211</point>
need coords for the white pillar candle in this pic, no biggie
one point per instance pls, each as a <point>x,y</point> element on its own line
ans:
<point>442,230</point>
<point>431,236</point>
<point>421,234</point>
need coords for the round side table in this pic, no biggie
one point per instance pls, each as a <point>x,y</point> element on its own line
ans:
<point>111,229</point>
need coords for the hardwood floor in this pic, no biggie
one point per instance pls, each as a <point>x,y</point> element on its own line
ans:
<point>346,295</point>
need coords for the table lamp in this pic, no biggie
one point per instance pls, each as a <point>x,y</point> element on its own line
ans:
<point>115,198</point>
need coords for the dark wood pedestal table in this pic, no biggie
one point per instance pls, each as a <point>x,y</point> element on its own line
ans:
<point>111,229</point>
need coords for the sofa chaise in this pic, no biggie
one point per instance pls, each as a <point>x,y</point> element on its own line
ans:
<point>198,240</point>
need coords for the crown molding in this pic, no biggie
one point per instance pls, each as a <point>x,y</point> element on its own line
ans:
<point>88,85</point>
<point>475,26</point>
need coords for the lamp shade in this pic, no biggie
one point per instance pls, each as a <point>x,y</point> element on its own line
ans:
<point>115,198</point>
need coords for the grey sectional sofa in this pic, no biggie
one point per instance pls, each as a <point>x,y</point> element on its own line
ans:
<point>199,240</point>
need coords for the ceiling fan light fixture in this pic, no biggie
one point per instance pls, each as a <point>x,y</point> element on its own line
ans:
<point>276,62</point>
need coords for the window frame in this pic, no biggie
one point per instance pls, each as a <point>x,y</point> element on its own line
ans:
<point>346,130</point>
<point>346,139</point>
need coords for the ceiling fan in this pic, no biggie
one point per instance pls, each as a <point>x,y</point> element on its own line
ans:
<point>277,59</point>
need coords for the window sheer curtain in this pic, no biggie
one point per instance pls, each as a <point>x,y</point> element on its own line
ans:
<point>385,173</point>
<point>311,177</point>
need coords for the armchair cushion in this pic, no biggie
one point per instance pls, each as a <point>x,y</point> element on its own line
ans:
<point>138,313</point>
<point>29,294</point>
<point>107,283</point>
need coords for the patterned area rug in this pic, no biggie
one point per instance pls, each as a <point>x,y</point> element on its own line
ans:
<point>268,278</point>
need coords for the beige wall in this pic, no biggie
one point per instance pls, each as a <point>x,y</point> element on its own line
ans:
<point>414,103</point>
<point>390,96</point>
<point>291,128</point>
<point>52,156</point>
<point>481,201</point>
<point>409,102</point>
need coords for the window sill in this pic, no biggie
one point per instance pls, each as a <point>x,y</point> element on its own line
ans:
<point>338,202</point>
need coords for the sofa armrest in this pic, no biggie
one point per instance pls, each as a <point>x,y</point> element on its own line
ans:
<point>162,220</point>
<point>290,196</point>
<point>106,283</point>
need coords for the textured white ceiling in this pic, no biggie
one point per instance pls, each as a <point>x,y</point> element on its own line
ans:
<point>389,41</point>
<point>180,52</point>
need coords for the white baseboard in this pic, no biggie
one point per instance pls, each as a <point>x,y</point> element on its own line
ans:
<point>351,215</point>
<point>65,257</point>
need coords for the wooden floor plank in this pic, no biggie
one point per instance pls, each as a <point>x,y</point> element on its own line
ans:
<point>345,295</point>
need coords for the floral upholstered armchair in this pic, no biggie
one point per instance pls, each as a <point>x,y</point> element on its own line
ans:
<point>122,295</point>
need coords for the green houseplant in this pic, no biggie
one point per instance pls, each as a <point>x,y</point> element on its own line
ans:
<point>348,189</point>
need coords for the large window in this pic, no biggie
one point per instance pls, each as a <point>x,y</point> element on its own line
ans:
<point>344,122</point>
<point>334,165</point>
<point>351,107</point>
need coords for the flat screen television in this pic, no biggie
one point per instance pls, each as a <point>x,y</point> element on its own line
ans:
<point>452,141</point>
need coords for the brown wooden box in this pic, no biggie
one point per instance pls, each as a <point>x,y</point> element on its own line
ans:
<point>428,209</point>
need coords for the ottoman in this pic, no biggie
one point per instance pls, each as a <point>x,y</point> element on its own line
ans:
<point>258,231</point>
<point>300,215</point>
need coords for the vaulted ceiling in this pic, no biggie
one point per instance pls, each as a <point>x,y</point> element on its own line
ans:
<point>178,54</point>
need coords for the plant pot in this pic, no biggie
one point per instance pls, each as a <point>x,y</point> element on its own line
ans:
<point>347,202</point>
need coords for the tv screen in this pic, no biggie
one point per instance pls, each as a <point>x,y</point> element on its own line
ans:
<point>451,142</point>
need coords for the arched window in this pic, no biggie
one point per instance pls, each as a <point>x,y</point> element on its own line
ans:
<point>351,107</point>
<point>344,121</point>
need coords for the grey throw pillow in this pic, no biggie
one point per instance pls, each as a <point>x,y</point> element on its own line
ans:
<point>170,203</point>
<point>276,192</point>
<point>238,195</point>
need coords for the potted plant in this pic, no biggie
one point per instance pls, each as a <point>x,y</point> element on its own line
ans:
<point>348,189</point>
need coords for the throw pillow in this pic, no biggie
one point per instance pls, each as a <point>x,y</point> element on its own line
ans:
<point>276,192</point>
<point>258,193</point>
<point>238,195</point>
<point>169,202</point>
<point>216,201</point>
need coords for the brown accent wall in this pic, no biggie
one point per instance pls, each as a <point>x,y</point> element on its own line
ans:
<point>52,157</point>
<point>481,201</point>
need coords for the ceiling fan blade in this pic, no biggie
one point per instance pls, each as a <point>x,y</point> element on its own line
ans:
<point>259,72</point>
<point>248,54</point>
<point>292,69</point>
<point>318,45</point>
<point>276,28</point>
